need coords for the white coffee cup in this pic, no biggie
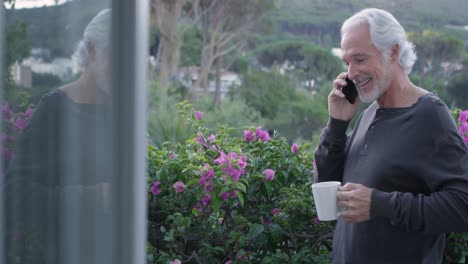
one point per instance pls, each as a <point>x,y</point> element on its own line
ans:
<point>326,199</point>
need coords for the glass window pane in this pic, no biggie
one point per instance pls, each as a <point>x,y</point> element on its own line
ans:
<point>57,134</point>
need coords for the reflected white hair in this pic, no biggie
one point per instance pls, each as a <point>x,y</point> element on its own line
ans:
<point>97,32</point>
<point>385,32</point>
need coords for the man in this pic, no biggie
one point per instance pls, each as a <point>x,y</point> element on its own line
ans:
<point>404,169</point>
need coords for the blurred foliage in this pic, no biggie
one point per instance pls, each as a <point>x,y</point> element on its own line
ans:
<point>191,49</point>
<point>435,85</point>
<point>17,48</point>
<point>457,89</point>
<point>306,61</point>
<point>166,125</point>
<point>265,91</point>
<point>294,112</point>
<point>433,50</point>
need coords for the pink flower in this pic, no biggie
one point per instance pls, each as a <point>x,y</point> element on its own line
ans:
<point>213,147</point>
<point>242,164</point>
<point>235,174</point>
<point>197,207</point>
<point>175,261</point>
<point>207,175</point>
<point>463,117</point>
<point>222,159</point>
<point>6,111</point>
<point>266,136</point>
<point>259,133</point>
<point>267,220</point>
<point>248,137</point>
<point>155,188</point>
<point>294,148</point>
<point>20,124</point>
<point>29,112</point>
<point>198,115</point>
<point>242,258</point>
<point>262,134</point>
<point>275,211</point>
<point>202,181</point>
<point>206,199</point>
<point>225,196</point>
<point>269,175</point>
<point>179,187</point>
<point>463,129</point>
<point>228,262</point>
<point>206,172</point>
<point>200,140</point>
<point>5,138</point>
<point>316,220</point>
<point>171,156</point>
<point>212,138</point>
<point>208,187</point>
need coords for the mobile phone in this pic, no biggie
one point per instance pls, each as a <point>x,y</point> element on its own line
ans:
<point>350,91</point>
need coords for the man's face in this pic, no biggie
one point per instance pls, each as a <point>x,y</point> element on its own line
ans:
<point>367,66</point>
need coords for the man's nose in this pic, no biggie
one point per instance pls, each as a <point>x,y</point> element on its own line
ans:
<point>352,72</point>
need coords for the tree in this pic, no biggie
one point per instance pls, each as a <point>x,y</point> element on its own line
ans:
<point>222,25</point>
<point>294,113</point>
<point>265,92</point>
<point>166,15</point>
<point>304,61</point>
<point>17,48</point>
<point>434,49</point>
<point>456,87</point>
<point>191,48</point>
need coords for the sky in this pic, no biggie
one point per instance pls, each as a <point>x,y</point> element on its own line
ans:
<point>34,3</point>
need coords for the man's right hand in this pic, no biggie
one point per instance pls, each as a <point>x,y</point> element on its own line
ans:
<point>338,106</point>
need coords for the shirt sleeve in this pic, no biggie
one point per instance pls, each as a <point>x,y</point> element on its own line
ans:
<point>331,152</point>
<point>444,169</point>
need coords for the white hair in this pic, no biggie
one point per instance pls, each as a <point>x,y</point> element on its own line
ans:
<point>97,32</point>
<point>385,32</point>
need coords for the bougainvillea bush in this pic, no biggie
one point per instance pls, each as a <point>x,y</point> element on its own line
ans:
<point>456,250</point>
<point>13,123</point>
<point>461,117</point>
<point>221,197</point>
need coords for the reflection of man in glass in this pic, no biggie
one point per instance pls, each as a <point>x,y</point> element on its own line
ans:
<point>58,186</point>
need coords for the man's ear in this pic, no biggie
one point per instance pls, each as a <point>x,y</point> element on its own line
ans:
<point>91,50</point>
<point>395,53</point>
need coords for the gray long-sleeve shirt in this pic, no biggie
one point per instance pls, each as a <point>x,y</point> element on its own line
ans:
<point>417,164</point>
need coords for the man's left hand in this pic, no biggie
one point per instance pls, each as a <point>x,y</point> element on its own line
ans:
<point>355,200</point>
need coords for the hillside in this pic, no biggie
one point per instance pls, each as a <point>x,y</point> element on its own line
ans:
<point>320,20</point>
<point>312,20</point>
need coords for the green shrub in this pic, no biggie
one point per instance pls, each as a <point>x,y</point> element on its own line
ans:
<point>223,196</point>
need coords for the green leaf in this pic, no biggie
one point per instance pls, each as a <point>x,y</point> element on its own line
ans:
<point>241,187</point>
<point>169,236</point>
<point>215,203</point>
<point>240,196</point>
<point>255,230</point>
